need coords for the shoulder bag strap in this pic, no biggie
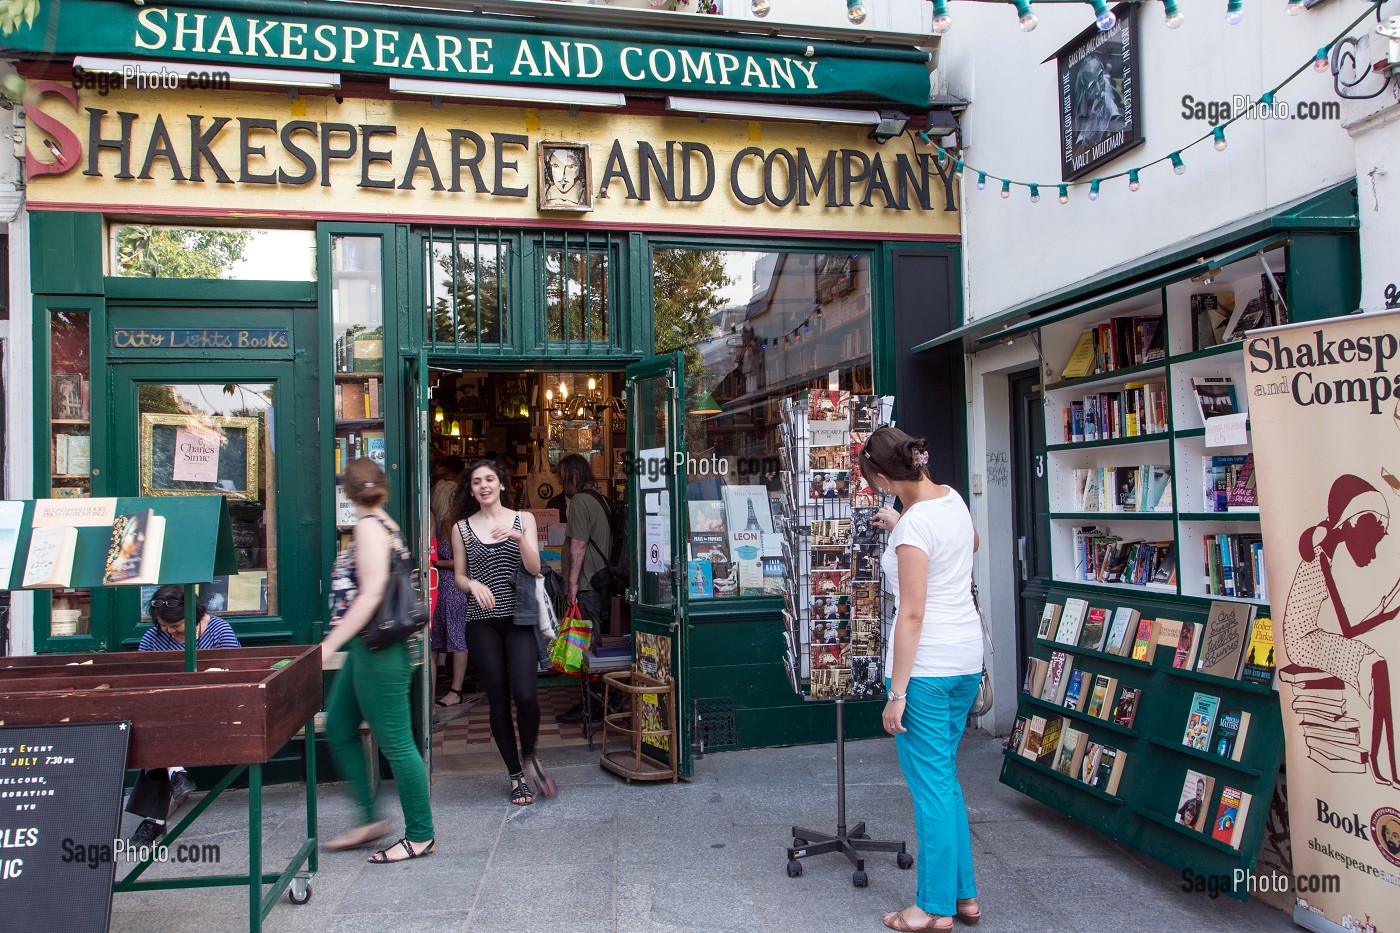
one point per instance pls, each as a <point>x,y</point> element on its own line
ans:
<point>607,513</point>
<point>986,632</point>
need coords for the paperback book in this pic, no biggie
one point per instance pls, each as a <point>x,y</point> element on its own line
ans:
<point>1101,696</point>
<point>1230,816</point>
<point>1195,798</point>
<point>50,561</point>
<point>1231,728</point>
<point>1200,720</point>
<point>1125,708</point>
<point>134,551</point>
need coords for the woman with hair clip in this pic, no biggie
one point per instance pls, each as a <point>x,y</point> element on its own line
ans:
<point>373,686</point>
<point>492,542</point>
<point>1342,545</point>
<point>933,665</point>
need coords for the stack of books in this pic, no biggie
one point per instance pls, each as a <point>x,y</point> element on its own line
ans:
<point>1332,737</point>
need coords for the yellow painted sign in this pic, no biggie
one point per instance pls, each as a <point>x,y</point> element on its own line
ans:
<point>227,155</point>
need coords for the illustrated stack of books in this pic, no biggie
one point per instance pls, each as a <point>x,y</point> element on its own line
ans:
<point>829,545</point>
<point>1332,737</point>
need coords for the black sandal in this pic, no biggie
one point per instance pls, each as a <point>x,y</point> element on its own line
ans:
<point>520,794</point>
<point>382,856</point>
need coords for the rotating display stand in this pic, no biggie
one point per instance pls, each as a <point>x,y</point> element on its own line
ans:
<point>835,624</point>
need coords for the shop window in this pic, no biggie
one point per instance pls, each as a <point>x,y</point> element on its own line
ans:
<point>754,328</point>
<point>162,252</point>
<point>466,280</point>
<point>357,324</point>
<point>233,421</point>
<point>577,288</point>
<point>70,439</point>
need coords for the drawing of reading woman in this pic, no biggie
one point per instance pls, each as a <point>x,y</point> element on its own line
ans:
<point>1357,517</point>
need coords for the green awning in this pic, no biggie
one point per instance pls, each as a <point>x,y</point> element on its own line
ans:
<point>375,39</point>
<point>1333,209</point>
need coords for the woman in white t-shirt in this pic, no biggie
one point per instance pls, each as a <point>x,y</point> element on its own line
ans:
<point>934,663</point>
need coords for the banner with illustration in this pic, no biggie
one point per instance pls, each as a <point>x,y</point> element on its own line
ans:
<point>1324,411</point>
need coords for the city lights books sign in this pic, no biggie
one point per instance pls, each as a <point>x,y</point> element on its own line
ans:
<point>1098,85</point>
<point>1328,500</point>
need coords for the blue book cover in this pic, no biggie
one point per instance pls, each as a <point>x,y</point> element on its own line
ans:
<point>701,577</point>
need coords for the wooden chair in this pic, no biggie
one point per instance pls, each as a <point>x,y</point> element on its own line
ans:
<point>630,762</point>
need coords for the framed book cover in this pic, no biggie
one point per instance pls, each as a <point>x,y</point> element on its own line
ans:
<point>1100,87</point>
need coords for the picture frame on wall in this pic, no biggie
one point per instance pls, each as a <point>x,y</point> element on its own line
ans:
<point>1100,89</point>
<point>237,466</point>
<point>565,177</point>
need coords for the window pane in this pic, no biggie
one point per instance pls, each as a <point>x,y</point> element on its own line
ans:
<point>466,279</point>
<point>212,253</point>
<point>755,328</point>
<point>357,323</point>
<point>577,293</point>
<point>234,420</point>
<point>70,406</point>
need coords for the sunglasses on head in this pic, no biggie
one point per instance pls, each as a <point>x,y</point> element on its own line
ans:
<point>167,604</point>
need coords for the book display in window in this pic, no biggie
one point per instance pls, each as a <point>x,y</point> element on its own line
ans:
<point>823,552</point>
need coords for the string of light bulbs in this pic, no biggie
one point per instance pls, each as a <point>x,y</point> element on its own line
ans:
<point>1265,104</point>
<point>1103,16</point>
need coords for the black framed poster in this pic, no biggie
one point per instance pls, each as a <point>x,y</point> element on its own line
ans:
<point>1099,93</point>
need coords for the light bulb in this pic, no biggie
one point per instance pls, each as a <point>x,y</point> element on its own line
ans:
<point>563,390</point>
<point>1234,12</point>
<point>1295,7</point>
<point>1219,134</point>
<point>942,22</point>
<point>592,384</point>
<point>981,181</point>
<point>1103,16</point>
<point>1064,194</point>
<point>760,8</point>
<point>958,167</point>
<point>1174,17</point>
<point>1178,166</point>
<point>1094,190</point>
<point>1322,60</point>
<point>855,12</point>
<point>1005,188</point>
<point>1133,183</point>
<point>928,143</point>
<point>437,414</point>
<point>1027,19</point>
<point>549,395</point>
<point>1035,194</point>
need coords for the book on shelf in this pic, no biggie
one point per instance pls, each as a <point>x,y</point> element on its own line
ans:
<point>1258,664</point>
<point>1071,752</point>
<point>1092,634</point>
<point>1138,409</point>
<point>1234,565</point>
<point>1050,740</point>
<point>1049,620</point>
<point>374,446</point>
<point>1143,644</point>
<point>1125,707</point>
<point>1101,696</point>
<point>1036,669</point>
<point>1215,396</point>
<point>1077,693</point>
<point>1071,621</point>
<point>367,354</point>
<point>1243,494</point>
<point>1191,808</point>
<point>1184,657</point>
<point>134,549</point>
<point>1081,358</point>
<point>49,564</point>
<point>1035,731</point>
<point>1018,734</point>
<point>1231,816</point>
<point>1109,772</point>
<point>1119,640</point>
<point>1200,720</point>
<point>1165,574</point>
<point>1057,678</point>
<point>1251,315</point>
<point>1231,729</point>
<point>1210,312</point>
<point>372,400</point>
<point>1168,635</point>
<point>1227,625</point>
<point>1219,474</point>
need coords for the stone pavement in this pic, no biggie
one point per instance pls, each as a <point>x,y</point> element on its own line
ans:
<point>707,855</point>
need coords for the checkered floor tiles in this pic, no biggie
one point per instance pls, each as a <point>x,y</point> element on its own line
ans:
<point>464,743</point>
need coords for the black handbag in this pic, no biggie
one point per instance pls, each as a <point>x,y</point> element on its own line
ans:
<point>401,614</point>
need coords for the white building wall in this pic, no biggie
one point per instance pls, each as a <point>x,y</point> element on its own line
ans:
<point>1016,251</point>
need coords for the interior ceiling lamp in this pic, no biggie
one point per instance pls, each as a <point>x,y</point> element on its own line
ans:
<point>557,406</point>
<point>456,430</point>
<point>706,405</point>
<point>892,124</point>
<point>759,111</point>
<point>507,92</point>
<point>237,74</point>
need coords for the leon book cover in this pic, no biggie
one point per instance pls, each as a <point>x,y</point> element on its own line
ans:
<point>1195,799</point>
<point>133,555</point>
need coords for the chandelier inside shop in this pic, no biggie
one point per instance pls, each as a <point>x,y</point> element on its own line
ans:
<point>1103,16</point>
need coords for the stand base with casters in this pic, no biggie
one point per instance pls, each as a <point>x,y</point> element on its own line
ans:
<point>807,843</point>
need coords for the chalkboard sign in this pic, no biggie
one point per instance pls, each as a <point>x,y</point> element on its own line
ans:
<point>60,812</point>
<point>238,443</point>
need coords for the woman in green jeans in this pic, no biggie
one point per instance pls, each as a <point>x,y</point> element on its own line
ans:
<point>373,686</point>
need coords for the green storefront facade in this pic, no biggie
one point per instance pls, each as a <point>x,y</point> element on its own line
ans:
<point>421,224</point>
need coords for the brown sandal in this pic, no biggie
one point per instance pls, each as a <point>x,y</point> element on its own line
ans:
<point>969,914</point>
<point>896,920</point>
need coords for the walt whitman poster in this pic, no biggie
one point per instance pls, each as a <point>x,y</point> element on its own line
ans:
<point>1099,115</point>
<point>1324,412</point>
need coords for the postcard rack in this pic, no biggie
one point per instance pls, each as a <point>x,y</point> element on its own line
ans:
<point>282,695</point>
<point>834,622</point>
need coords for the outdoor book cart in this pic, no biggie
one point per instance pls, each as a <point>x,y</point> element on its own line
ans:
<point>232,707</point>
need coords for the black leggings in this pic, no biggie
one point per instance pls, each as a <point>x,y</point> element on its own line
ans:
<point>506,664</point>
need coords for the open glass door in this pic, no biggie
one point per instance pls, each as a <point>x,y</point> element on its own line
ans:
<point>416,517</point>
<point>656,491</point>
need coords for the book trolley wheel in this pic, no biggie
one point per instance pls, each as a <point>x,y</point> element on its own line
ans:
<point>299,891</point>
<point>794,868</point>
<point>904,860</point>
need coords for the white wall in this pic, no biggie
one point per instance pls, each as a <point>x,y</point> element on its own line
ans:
<point>1017,251</point>
<point>881,15</point>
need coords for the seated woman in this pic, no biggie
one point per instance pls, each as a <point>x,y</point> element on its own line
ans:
<point>158,790</point>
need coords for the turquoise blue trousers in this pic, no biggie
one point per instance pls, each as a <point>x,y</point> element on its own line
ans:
<point>934,716</point>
